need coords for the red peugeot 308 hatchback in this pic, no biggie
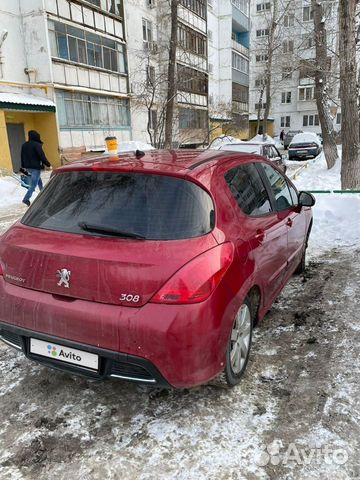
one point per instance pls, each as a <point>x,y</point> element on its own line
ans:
<point>151,267</point>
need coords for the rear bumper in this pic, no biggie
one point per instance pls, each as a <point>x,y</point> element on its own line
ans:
<point>181,346</point>
<point>298,153</point>
<point>111,364</point>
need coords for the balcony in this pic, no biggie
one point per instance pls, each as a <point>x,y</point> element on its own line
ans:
<point>240,48</point>
<point>240,77</point>
<point>240,15</point>
<point>240,107</point>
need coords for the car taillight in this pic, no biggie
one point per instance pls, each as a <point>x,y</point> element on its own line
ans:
<point>196,280</point>
<point>1,270</point>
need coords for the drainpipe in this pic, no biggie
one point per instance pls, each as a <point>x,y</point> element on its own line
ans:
<point>3,36</point>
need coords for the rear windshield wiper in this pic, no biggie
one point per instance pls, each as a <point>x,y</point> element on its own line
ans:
<point>109,230</point>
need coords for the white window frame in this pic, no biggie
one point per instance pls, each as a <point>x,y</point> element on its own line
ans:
<point>285,121</point>
<point>308,93</point>
<point>286,97</point>
<point>147,31</point>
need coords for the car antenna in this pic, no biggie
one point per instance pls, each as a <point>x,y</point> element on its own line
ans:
<point>139,154</point>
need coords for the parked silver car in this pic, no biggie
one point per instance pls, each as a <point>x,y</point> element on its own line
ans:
<point>267,150</point>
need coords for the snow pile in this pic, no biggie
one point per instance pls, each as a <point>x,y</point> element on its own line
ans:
<point>336,216</point>
<point>260,138</point>
<point>336,222</point>
<point>305,137</point>
<point>11,192</point>
<point>278,143</point>
<point>223,140</point>
<point>316,175</point>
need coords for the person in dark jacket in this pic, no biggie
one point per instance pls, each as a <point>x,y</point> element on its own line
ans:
<point>33,159</point>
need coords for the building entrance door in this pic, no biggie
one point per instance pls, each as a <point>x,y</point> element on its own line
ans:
<point>16,137</point>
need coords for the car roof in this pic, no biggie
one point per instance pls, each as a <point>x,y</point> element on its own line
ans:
<point>190,163</point>
<point>248,143</point>
<point>304,136</point>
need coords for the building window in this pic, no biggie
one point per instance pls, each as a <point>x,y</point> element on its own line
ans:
<point>262,7</point>
<point>259,106</point>
<point>263,32</point>
<point>190,80</point>
<point>240,63</point>
<point>242,5</point>
<point>152,119</point>
<point>307,14</point>
<point>289,20</point>
<point>338,119</point>
<point>240,93</point>
<point>260,82</point>
<point>192,118</point>
<point>147,30</point>
<point>307,40</point>
<point>111,6</point>
<point>286,73</point>
<point>261,58</point>
<point>191,40</point>
<point>285,121</point>
<point>196,6</point>
<point>311,120</point>
<point>80,46</point>
<point>288,46</point>
<point>306,94</point>
<point>286,97</point>
<point>77,110</point>
<point>150,76</point>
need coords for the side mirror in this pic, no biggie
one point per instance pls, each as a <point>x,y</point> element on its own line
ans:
<point>306,199</point>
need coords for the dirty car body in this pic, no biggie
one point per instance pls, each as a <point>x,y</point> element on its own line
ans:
<point>133,267</point>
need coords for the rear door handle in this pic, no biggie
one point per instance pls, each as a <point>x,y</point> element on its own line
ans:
<point>289,222</point>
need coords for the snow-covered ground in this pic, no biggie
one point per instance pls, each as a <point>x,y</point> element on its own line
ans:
<point>336,216</point>
<point>11,192</point>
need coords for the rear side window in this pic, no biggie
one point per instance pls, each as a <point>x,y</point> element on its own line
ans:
<point>279,187</point>
<point>248,190</point>
<point>154,207</point>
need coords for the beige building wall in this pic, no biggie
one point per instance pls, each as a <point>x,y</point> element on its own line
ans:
<point>44,123</point>
<point>5,158</point>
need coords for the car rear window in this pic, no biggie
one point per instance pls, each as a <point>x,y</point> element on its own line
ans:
<point>155,207</point>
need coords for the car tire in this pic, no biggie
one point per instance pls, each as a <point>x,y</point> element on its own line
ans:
<point>238,348</point>
<point>302,265</point>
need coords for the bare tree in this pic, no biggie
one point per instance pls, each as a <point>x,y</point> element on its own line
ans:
<point>274,22</point>
<point>269,48</point>
<point>171,90</point>
<point>350,167</point>
<point>322,71</point>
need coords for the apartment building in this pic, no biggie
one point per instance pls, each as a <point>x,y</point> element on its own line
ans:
<point>293,105</point>
<point>64,73</point>
<point>80,70</point>
<point>229,42</point>
<point>149,30</point>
